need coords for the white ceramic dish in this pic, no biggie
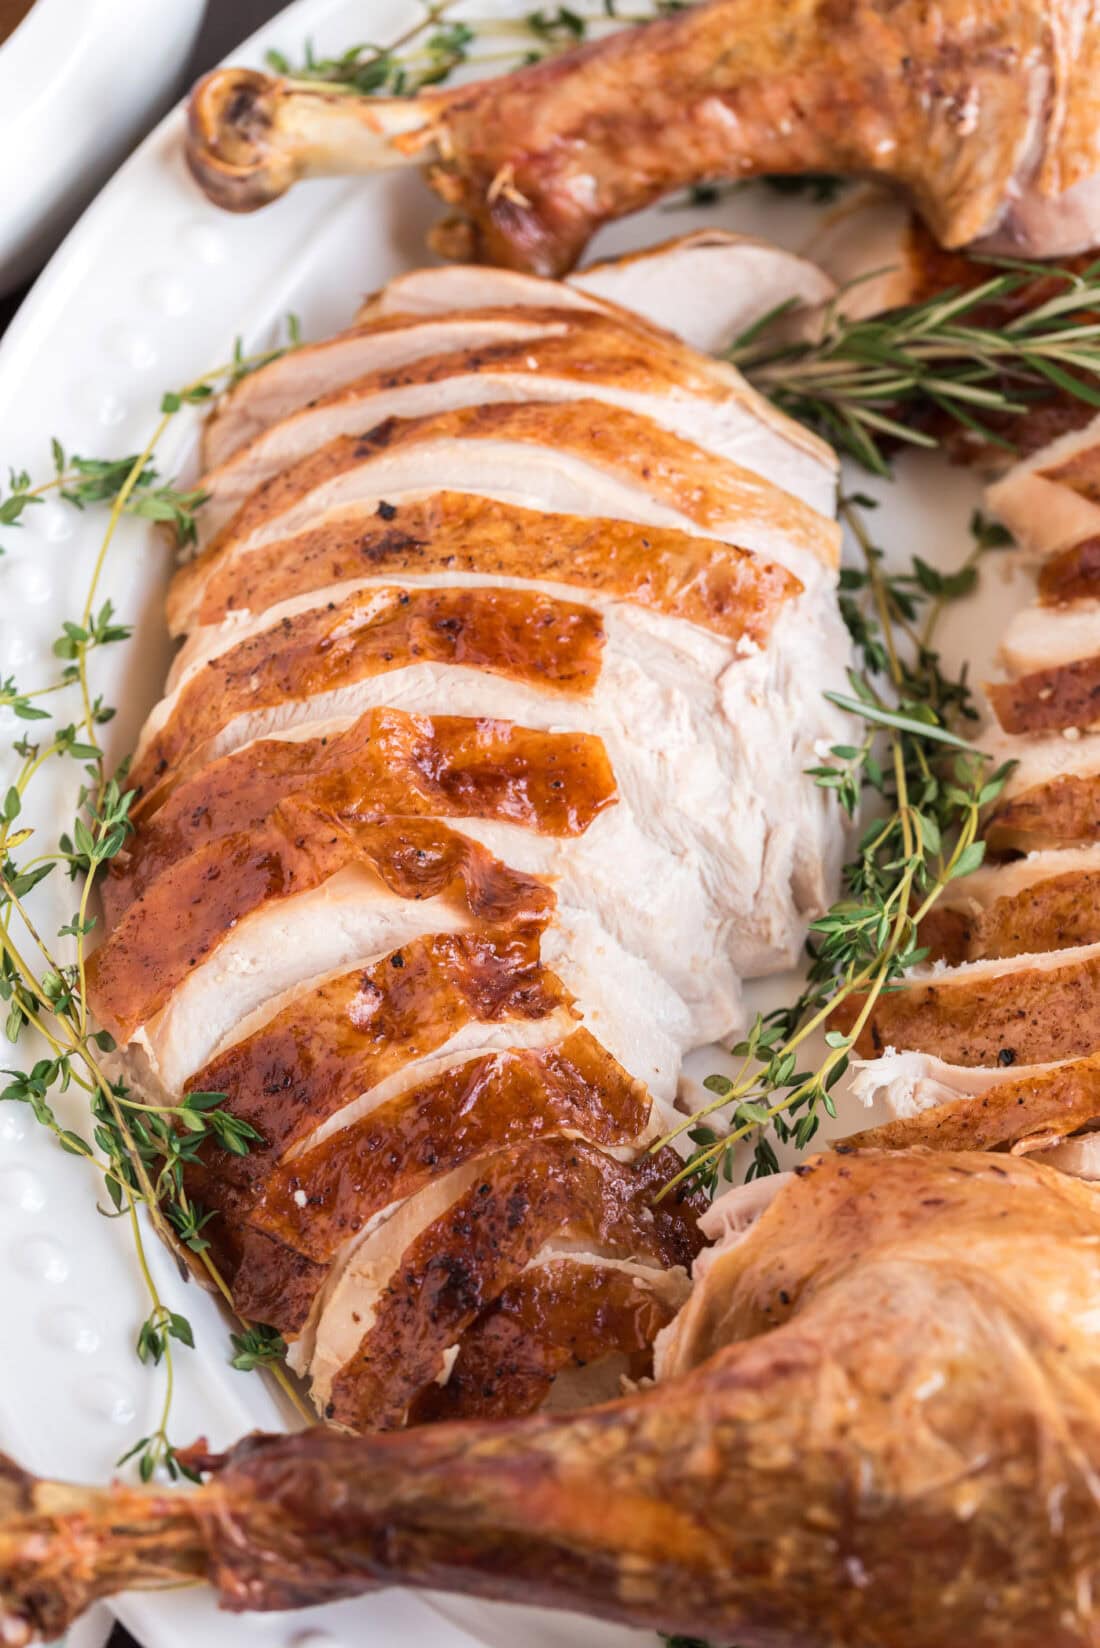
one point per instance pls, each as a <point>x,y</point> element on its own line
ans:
<point>148,291</point>
<point>79,81</point>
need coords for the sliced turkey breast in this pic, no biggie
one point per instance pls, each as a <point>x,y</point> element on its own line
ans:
<point>691,728</point>
<point>1052,797</point>
<point>1066,697</point>
<point>384,1324</point>
<point>362,876</point>
<point>384,764</point>
<point>1063,812</point>
<point>734,282</point>
<point>330,1190</point>
<point>1048,901</point>
<point>320,654</point>
<point>304,374</point>
<point>909,1082</point>
<point>1023,1112</point>
<point>580,458</point>
<point>1072,574</point>
<point>314,1051</point>
<point>697,935</point>
<point>449,287</point>
<point>1049,637</point>
<point>563,1335</point>
<point>1032,1009</point>
<point>478,785</point>
<point>387,1151</point>
<point>734,279</point>
<point>1051,499</point>
<point>348,919</point>
<point>865,245</point>
<point>704,580</point>
<point>699,401</point>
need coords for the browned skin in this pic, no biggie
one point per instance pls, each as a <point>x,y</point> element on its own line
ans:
<point>713,584</point>
<point>516,633</point>
<point>524,1196</point>
<point>709,490</point>
<point>327,358</point>
<point>1064,812</point>
<point>1071,575</point>
<point>1080,472</point>
<point>932,99</point>
<point>935,100</point>
<point>190,909</point>
<point>1049,915</point>
<point>386,764</point>
<point>488,1103</point>
<point>555,1317</point>
<point>1021,1116</point>
<point>596,355</point>
<point>343,1036</point>
<point>1028,1016</point>
<point>271,1251</point>
<point>1049,700</point>
<point>810,1437</point>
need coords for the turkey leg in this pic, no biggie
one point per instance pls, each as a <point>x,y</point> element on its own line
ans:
<point>985,113</point>
<point>898,1447</point>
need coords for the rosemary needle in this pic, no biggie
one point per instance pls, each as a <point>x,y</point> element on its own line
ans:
<point>958,354</point>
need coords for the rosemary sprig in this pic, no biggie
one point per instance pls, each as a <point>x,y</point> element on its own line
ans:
<point>963,355</point>
<point>141,1150</point>
<point>933,787</point>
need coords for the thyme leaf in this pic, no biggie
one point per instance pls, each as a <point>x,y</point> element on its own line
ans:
<point>930,787</point>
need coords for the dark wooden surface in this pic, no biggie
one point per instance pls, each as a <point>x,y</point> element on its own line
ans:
<point>227,22</point>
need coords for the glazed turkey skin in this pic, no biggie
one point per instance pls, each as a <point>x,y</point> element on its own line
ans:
<point>477,791</point>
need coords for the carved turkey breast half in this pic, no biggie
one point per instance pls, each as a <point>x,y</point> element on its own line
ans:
<point>477,789</point>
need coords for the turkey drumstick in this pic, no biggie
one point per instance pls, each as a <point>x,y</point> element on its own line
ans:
<point>985,112</point>
<point>879,1427</point>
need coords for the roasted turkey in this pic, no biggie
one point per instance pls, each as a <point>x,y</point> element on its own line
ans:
<point>478,788</point>
<point>986,113</point>
<point>996,1038</point>
<point>877,1426</point>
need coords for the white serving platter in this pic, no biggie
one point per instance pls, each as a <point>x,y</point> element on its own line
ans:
<point>148,291</point>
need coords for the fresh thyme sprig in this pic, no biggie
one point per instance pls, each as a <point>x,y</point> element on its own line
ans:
<point>140,1149</point>
<point>83,482</point>
<point>930,788</point>
<point>961,355</point>
<point>434,47</point>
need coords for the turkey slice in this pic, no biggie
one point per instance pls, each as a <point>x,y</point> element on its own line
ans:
<point>734,279</point>
<point>695,399</point>
<point>1028,1009</point>
<point>578,459</point>
<point>1043,638</point>
<point>1024,1111</point>
<point>565,1334</point>
<point>729,590</point>
<point>1052,498</point>
<point>304,374</point>
<point>383,1324</point>
<point>1049,900</point>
